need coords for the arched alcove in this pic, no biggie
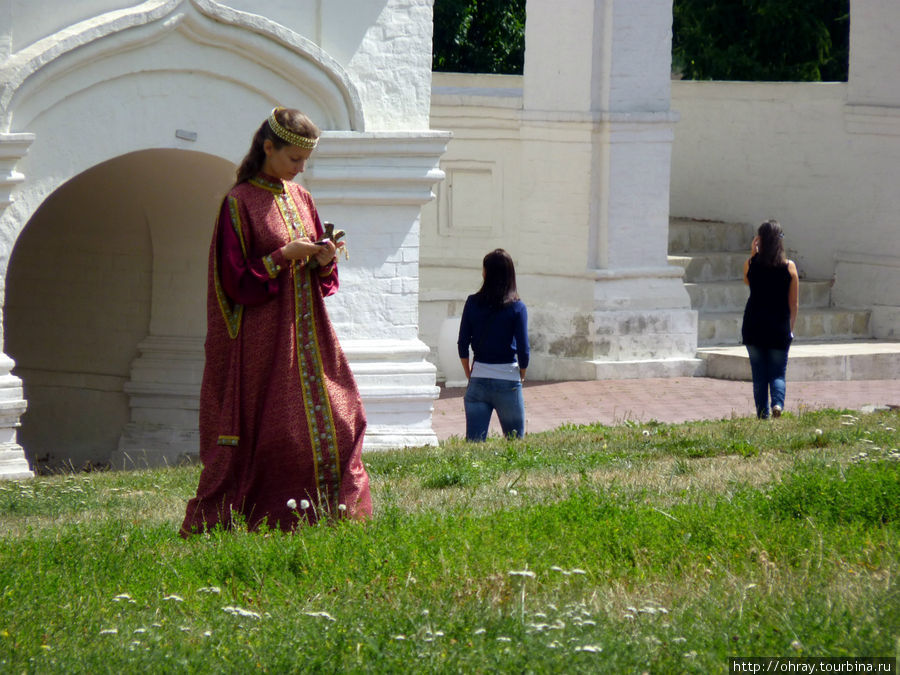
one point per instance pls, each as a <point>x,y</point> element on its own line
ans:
<point>108,252</point>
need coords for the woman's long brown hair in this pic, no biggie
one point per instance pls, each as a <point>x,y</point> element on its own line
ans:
<point>771,244</point>
<point>499,286</point>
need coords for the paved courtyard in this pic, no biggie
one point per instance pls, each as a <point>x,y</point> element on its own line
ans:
<point>550,404</point>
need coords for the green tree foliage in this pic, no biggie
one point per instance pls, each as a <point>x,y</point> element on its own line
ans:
<point>764,40</point>
<point>774,40</point>
<point>479,36</point>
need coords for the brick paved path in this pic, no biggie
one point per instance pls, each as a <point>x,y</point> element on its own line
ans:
<point>549,404</point>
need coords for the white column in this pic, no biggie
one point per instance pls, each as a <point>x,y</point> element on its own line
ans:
<point>597,137</point>
<point>373,185</point>
<point>13,464</point>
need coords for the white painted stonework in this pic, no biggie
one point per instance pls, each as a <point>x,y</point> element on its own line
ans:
<point>823,158</point>
<point>567,168</point>
<point>121,124</point>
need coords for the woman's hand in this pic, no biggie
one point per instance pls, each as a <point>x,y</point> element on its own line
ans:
<point>754,246</point>
<point>324,253</point>
<point>300,249</point>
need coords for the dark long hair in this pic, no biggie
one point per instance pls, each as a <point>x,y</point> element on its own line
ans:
<point>292,120</point>
<point>771,244</point>
<point>499,286</point>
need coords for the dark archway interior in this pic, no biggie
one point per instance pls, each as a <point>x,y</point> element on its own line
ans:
<point>84,283</point>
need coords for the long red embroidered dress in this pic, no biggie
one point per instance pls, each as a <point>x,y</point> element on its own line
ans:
<point>280,414</point>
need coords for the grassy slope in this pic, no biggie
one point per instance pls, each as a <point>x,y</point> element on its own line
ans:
<point>660,547</point>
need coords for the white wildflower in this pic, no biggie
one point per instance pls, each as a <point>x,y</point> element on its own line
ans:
<point>207,633</point>
<point>521,573</point>
<point>109,631</point>
<point>576,570</point>
<point>174,598</point>
<point>239,611</point>
<point>514,492</point>
<point>593,649</point>
<point>679,639</point>
<point>399,637</point>
<point>304,504</point>
<point>504,639</point>
<point>480,631</point>
<point>819,432</point>
<point>292,504</point>
<point>690,655</point>
<point>646,432</point>
<point>796,645</point>
<point>140,631</point>
<point>123,597</point>
<point>210,589</point>
<point>321,615</point>
<point>342,507</point>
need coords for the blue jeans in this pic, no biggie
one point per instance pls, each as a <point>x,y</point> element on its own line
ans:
<point>483,396</point>
<point>768,367</point>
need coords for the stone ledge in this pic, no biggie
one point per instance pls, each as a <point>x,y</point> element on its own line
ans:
<point>811,362</point>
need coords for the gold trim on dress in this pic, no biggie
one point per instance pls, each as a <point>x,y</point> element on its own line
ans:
<point>266,184</point>
<point>230,313</point>
<point>271,267</point>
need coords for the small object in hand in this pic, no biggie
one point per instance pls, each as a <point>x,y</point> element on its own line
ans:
<point>330,234</point>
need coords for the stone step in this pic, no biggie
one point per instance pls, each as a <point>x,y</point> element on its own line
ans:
<point>724,328</point>
<point>710,266</point>
<point>731,296</point>
<point>687,236</point>
<point>813,362</point>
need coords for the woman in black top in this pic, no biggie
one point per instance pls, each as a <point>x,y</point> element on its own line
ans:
<point>769,316</point>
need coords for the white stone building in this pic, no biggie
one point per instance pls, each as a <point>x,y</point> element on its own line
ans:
<point>121,122</point>
<point>576,166</point>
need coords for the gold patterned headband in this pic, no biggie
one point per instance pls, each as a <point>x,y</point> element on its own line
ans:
<point>289,136</point>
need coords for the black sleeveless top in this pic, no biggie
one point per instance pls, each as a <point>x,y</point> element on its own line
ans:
<point>767,316</point>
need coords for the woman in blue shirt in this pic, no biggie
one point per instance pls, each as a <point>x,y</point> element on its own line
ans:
<point>495,323</point>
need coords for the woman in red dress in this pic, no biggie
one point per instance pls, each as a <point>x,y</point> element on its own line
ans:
<point>281,419</point>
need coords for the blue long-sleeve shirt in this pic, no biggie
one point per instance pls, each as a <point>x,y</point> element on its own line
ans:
<point>496,336</point>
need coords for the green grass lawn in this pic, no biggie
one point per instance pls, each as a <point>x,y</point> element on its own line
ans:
<point>654,547</point>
